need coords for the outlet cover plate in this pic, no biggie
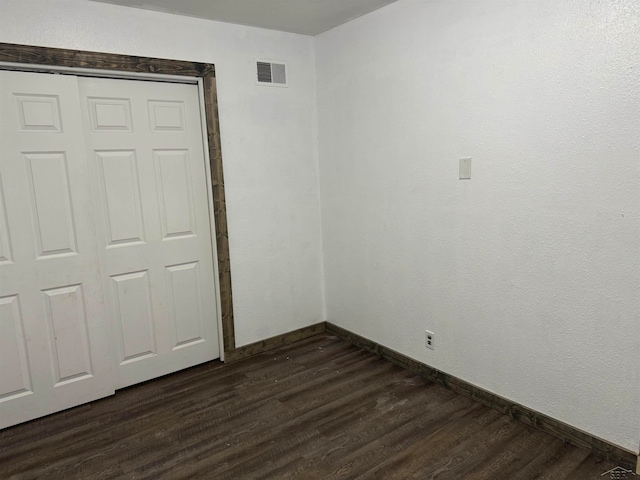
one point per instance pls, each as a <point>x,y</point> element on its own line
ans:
<point>429,339</point>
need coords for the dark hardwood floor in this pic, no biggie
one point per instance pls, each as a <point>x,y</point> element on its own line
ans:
<point>319,409</point>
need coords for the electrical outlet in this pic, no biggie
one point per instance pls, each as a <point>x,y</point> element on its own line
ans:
<point>429,338</point>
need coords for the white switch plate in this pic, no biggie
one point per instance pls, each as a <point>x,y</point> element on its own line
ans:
<point>465,168</point>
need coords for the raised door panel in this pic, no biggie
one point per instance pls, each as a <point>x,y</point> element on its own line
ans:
<point>166,116</point>
<point>50,203</point>
<point>173,180</point>
<point>5,236</point>
<point>185,305</point>
<point>120,191</point>
<point>38,113</point>
<point>134,316</point>
<point>66,318</point>
<point>15,372</point>
<point>110,114</point>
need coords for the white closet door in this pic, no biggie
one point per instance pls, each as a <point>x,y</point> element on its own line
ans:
<point>146,157</point>
<point>54,345</point>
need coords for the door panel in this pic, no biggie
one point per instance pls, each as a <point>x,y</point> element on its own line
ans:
<point>5,238</point>
<point>147,161</point>
<point>54,343</point>
<point>51,211</point>
<point>134,316</point>
<point>120,195</point>
<point>173,181</point>
<point>185,304</point>
<point>15,374</point>
<point>68,333</point>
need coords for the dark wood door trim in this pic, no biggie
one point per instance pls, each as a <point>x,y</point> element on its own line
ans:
<point>56,57</point>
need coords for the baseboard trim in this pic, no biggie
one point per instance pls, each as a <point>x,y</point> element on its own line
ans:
<point>273,342</point>
<point>572,435</point>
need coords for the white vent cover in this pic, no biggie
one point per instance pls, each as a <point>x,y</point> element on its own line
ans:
<point>271,73</point>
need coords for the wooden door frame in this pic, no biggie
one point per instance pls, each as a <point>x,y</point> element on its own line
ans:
<point>125,64</point>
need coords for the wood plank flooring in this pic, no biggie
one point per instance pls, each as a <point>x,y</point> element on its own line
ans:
<point>318,409</point>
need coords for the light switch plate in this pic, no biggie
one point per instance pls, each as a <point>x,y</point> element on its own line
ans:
<point>465,168</point>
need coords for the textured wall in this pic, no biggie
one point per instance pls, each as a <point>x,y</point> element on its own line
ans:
<point>529,273</point>
<point>268,140</point>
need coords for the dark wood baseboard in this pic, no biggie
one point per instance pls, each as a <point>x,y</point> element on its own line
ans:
<point>273,342</point>
<point>572,435</point>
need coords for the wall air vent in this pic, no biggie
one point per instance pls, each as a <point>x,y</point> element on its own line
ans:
<point>271,73</point>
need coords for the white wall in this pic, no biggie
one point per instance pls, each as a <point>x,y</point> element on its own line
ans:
<point>269,141</point>
<point>529,273</point>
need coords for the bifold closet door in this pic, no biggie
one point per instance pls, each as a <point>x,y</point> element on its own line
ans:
<point>146,157</point>
<point>106,260</point>
<point>54,343</point>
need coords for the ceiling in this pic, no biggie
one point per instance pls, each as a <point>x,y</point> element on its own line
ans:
<point>308,17</point>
